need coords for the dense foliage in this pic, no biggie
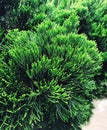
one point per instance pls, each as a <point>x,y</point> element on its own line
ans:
<point>93,22</point>
<point>49,71</point>
<point>44,83</point>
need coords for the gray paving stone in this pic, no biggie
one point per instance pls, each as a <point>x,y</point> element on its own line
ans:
<point>99,118</point>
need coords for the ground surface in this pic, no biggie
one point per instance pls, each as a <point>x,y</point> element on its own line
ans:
<point>99,118</point>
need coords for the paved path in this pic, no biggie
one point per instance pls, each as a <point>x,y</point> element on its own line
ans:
<point>99,118</point>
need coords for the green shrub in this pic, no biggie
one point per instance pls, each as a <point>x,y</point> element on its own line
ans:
<point>101,80</point>
<point>66,17</point>
<point>49,75</point>
<point>26,15</point>
<point>47,85</point>
<point>93,20</point>
<point>30,13</point>
<point>22,14</point>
